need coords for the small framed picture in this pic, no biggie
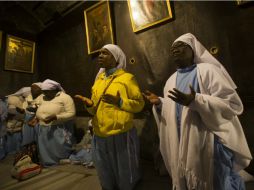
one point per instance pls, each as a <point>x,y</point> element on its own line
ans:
<point>19,54</point>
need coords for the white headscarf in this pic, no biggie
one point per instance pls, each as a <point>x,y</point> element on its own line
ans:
<point>25,91</point>
<point>201,55</point>
<point>51,85</point>
<point>37,84</point>
<point>118,55</point>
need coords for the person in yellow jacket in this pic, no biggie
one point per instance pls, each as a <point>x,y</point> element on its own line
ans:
<point>115,98</point>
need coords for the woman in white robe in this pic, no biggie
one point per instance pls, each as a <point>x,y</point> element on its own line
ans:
<point>207,129</point>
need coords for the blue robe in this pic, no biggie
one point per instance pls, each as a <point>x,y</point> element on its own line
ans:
<point>224,176</point>
<point>55,143</point>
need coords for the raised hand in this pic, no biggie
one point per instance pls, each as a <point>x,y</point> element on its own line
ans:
<point>182,98</point>
<point>110,99</point>
<point>151,97</point>
<point>88,102</point>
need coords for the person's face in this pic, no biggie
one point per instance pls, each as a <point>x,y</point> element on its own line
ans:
<point>182,54</point>
<point>49,94</point>
<point>35,90</point>
<point>106,59</point>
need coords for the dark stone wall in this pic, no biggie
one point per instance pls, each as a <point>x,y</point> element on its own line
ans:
<point>63,55</point>
<point>63,50</point>
<point>17,22</point>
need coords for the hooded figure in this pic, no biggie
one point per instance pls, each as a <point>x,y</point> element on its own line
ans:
<point>15,119</point>
<point>201,139</point>
<point>24,92</point>
<point>115,98</point>
<point>55,116</point>
<point>51,85</point>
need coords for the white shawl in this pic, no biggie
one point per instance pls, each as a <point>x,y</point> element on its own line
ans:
<point>214,111</point>
<point>202,55</point>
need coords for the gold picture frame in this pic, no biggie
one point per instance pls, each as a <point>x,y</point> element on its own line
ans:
<point>98,26</point>
<point>19,54</point>
<point>145,14</point>
<point>242,2</point>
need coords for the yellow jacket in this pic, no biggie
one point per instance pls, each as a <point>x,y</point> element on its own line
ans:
<point>110,119</point>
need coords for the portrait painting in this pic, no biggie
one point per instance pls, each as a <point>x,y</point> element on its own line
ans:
<point>145,14</point>
<point>19,54</point>
<point>98,26</point>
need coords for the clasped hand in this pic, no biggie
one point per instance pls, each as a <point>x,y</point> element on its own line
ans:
<point>50,119</point>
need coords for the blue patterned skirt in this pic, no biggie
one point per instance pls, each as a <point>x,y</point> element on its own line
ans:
<point>55,143</point>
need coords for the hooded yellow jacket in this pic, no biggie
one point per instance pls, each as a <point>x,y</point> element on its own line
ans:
<point>110,119</point>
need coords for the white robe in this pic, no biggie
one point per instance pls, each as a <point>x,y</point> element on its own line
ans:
<point>214,111</point>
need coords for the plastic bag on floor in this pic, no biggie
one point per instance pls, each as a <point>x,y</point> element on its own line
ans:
<point>25,168</point>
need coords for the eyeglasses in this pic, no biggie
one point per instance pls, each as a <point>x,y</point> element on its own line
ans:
<point>177,45</point>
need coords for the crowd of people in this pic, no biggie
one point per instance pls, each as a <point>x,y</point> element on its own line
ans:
<point>201,139</point>
<point>41,114</point>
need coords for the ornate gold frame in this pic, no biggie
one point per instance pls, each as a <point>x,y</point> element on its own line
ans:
<point>142,11</point>
<point>98,26</point>
<point>19,54</point>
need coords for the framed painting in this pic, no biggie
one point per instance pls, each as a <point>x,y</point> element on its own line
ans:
<point>19,54</point>
<point>145,14</point>
<point>242,2</point>
<point>98,26</point>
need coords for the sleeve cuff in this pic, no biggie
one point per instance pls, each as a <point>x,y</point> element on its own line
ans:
<point>193,104</point>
